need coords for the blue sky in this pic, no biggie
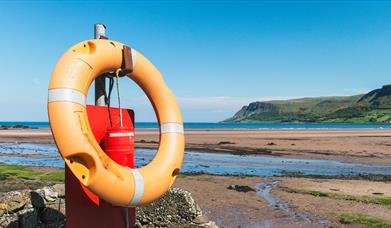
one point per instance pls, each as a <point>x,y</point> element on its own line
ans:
<point>216,56</point>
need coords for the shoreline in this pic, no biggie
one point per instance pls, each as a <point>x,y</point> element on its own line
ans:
<point>282,201</point>
<point>361,146</point>
<point>363,177</point>
<point>292,200</point>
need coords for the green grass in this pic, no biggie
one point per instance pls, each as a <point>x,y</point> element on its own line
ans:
<point>383,200</point>
<point>181,176</point>
<point>16,171</point>
<point>13,172</point>
<point>373,107</point>
<point>57,176</point>
<point>366,221</point>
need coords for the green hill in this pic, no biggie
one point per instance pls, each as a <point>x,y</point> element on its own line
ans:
<point>373,107</point>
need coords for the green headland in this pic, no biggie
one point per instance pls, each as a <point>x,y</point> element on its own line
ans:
<point>373,107</point>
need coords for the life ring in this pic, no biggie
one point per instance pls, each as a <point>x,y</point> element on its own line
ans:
<point>68,87</point>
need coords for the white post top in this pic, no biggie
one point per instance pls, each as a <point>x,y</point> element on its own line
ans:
<point>100,30</point>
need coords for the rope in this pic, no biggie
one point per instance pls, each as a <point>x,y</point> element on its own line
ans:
<point>108,98</point>
<point>119,99</point>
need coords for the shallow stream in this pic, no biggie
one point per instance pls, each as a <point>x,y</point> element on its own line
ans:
<point>202,162</point>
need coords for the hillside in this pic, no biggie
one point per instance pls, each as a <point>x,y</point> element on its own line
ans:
<point>373,107</point>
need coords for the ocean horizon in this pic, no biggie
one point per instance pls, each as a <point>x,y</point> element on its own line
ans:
<point>214,125</point>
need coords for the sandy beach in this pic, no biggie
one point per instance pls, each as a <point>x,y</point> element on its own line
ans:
<point>272,201</point>
<point>282,207</point>
<point>367,146</point>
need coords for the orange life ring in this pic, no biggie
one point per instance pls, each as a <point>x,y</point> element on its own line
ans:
<point>68,87</point>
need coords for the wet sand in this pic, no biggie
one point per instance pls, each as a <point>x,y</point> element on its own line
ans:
<point>354,200</point>
<point>230,208</point>
<point>367,146</point>
<point>267,203</point>
<point>279,208</point>
<point>273,203</point>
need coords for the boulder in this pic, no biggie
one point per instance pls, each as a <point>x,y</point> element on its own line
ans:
<point>9,221</point>
<point>30,209</point>
<point>60,189</point>
<point>176,208</point>
<point>46,208</point>
<point>14,201</point>
<point>241,188</point>
<point>28,218</point>
<point>49,194</point>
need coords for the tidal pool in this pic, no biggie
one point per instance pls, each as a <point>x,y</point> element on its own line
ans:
<point>209,163</point>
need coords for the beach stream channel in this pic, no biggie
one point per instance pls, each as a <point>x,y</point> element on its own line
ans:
<point>30,154</point>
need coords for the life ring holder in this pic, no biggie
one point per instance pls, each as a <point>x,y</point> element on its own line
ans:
<point>68,88</point>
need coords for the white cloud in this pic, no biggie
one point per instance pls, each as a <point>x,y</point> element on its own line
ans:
<point>221,102</point>
<point>203,108</point>
<point>354,91</point>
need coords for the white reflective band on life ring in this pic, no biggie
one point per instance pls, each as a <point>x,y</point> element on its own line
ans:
<point>69,95</point>
<point>171,128</point>
<point>134,58</point>
<point>121,134</point>
<point>138,187</point>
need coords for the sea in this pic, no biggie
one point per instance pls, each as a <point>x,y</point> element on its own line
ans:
<point>190,125</point>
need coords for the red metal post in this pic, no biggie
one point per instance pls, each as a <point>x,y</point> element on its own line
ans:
<point>83,208</point>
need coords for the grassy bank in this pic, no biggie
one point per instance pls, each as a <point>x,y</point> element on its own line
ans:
<point>364,220</point>
<point>383,200</point>
<point>16,177</point>
<point>12,172</point>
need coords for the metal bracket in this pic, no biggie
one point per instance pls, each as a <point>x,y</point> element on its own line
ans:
<point>127,61</point>
<point>126,66</point>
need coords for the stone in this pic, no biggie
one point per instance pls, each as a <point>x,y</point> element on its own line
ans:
<point>28,218</point>
<point>49,194</point>
<point>59,224</point>
<point>50,215</point>
<point>176,208</point>
<point>37,200</point>
<point>46,208</point>
<point>60,189</point>
<point>9,221</point>
<point>14,201</point>
<point>58,205</point>
<point>241,188</point>
<point>201,219</point>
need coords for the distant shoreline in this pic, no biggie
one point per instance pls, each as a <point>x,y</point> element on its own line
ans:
<point>225,125</point>
<point>365,146</point>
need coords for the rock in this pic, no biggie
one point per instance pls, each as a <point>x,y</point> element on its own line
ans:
<point>241,188</point>
<point>176,208</point>
<point>201,219</point>
<point>30,209</point>
<point>50,215</point>
<point>46,208</point>
<point>27,218</point>
<point>377,193</point>
<point>14,201</point>
<point>49,194</point>
<point>9,221</point>
<point>256,108</point>
<point>59,224</point>
<point>7,127</point>
<point>37,200</point>
<point>60,189</point>
<point>58,206</point>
